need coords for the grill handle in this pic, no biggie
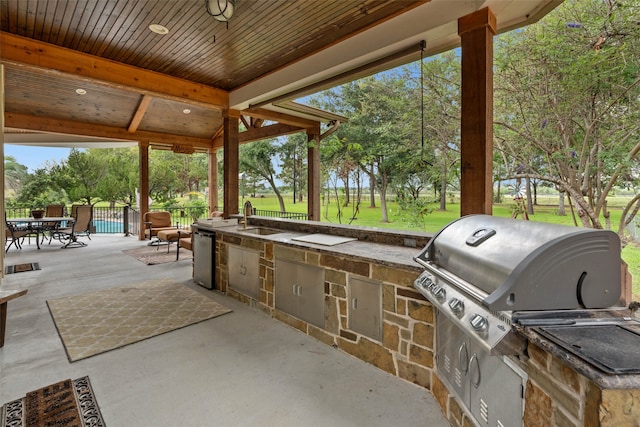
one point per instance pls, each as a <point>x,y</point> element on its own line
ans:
<point>463,363</point>
<point>455,280</point>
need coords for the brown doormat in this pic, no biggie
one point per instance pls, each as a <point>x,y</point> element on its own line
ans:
<point>64,404</point>
<point>20,268</point>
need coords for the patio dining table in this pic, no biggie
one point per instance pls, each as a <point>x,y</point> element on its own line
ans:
<point>41,225</point>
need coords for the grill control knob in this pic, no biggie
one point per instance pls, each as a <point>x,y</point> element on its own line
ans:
<point>429,283</point>
<point>457,306</point>
<point>438,292</point>
<point>479,323</point>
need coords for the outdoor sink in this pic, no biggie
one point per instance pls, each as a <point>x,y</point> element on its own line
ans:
<point>263,231</point>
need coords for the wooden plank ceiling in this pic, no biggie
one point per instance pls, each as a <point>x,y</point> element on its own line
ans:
<point>261,37</point>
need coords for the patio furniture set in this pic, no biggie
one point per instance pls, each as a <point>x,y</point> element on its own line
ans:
<point>51,223</point>
<point>159,229</point>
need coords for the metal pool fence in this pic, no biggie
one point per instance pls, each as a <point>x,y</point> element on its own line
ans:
<point>126,220</point>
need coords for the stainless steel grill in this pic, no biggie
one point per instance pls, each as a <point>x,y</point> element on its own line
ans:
<point>482,273</point>
<point>481,269</point>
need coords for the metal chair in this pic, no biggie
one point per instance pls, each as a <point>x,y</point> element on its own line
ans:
<point>83,216</point>
<point>16,234</point>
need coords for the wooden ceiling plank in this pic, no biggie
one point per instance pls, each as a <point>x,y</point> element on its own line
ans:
<point>27,51</point>
<point>92,9</point>
<point>95,24</point>
<point>141,39</point>
<point>178,21</point>
<point>44,124</point>
<point>76,17</point>
<point>126,11</point>
<point>110,28</point>
<point>115,46</point>
<point>140,112</point>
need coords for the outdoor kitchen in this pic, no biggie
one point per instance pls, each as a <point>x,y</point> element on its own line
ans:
<point>506,322</point>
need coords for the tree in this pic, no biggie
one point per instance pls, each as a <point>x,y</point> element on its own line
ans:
<point>441,109</point>
<point>14,174</point>
<point>122,178</point>
<point>377,108</point>
<point>293,153</point>
<point>568,92</point>
<point>256,159</point>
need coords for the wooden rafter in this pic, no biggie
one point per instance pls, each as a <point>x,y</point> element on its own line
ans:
<point>43,124</point>
<point>264,114</point>
<point>20,50</point>
<point>140,112</point>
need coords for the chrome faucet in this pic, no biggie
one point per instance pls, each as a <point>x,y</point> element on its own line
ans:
<point>247,208</point>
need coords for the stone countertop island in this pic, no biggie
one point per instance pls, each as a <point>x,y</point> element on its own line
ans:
<point>561,389</point>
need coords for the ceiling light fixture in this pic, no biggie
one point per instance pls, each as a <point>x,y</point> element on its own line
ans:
<point>222,10</point>
<point>186,111</point>
<point>81,91</point>
<point>159,29</point>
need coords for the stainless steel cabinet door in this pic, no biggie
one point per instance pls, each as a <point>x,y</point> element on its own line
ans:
<point>300,291</point>
<point>365,307</point>
<point>244,271</point>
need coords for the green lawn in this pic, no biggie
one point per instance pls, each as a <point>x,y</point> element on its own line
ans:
<point>437,219</point>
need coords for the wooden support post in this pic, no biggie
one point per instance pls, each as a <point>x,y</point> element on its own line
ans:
<point>313,173</point>
<point>213,180</point>
<point>476,188</point>
<point>143,153</point>
<point>231,160</point>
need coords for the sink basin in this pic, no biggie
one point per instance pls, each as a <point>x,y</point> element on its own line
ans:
<point>263,231</point>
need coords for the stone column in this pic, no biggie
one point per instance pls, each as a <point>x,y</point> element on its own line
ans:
<point>476,188</point>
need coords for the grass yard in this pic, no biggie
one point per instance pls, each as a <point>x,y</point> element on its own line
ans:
<point>434,221</point>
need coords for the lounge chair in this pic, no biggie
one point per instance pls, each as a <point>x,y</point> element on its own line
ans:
<point>156,221</point>
<point>185,242</point>
<point>83,215</point>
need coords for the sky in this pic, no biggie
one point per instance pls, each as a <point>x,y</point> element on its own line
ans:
<point>36,157</point>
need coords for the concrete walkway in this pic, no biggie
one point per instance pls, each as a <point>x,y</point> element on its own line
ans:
<point>240,369</point>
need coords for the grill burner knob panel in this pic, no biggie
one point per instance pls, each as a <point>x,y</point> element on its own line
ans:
<point>457,306</point>
<point>479,323</point>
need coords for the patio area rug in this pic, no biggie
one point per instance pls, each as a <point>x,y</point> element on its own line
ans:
<point>20,268</point>
<point>64,404</point>
<point>100,321</point>
<point>152,255</point>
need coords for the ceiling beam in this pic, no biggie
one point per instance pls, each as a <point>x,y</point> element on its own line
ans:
<point>263,113</point>
<point>24,51</point>
<point>44,124</point>
<point>140,112</point>
<point>271,131</point>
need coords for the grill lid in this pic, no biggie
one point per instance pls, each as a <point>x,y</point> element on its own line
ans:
<point>522,265</point>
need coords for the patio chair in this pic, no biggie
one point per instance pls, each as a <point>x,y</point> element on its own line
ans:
<point>52,211</point>
<point>185,242</point>
<point>156,221</point>
<point>14,235</point>
<point>83,215</point>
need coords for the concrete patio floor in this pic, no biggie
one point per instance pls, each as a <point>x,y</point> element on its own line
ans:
<point>240,369</point>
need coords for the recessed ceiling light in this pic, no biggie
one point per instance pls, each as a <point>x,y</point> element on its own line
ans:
<point>158,29</point>
<point>81,91</point>
<point>186,111</point>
